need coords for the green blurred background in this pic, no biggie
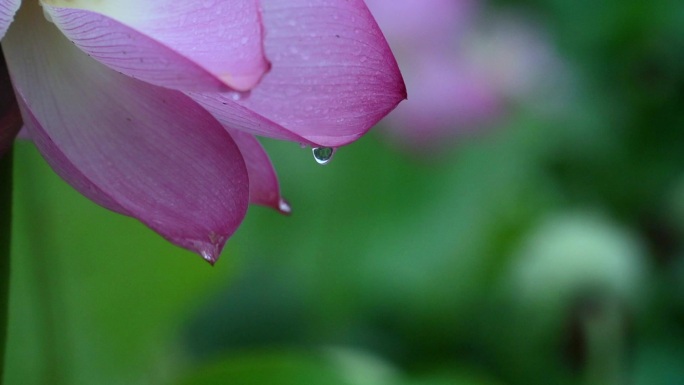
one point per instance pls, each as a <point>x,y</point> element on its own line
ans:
<point>547,250</point>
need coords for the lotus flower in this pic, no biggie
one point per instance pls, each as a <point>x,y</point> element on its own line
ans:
<point>463,66</point>
<point>150,107</point>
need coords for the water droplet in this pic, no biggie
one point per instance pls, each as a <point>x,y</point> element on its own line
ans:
<point>284,207</point>
<point>208,257</point>
<point>238,95</point>
<point>210,247</point>
<point>323,155</point>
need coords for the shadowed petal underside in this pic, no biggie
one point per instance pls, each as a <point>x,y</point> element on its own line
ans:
<point>138,149</point>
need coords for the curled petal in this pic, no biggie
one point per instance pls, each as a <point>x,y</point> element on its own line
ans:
<point>333,75</point>
<point>263,181</point>
<point>185,45</point>
<point>139,149</point>
<point>7,10</point>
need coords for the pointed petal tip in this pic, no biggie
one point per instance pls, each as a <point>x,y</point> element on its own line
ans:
<point>209,258</point>
<point>284,207</point>
<point>210,249</point>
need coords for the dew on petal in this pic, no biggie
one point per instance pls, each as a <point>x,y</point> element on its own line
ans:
<point>284,207</point>
<point>239,95</point>
<point>208,257</point>
<point>323,155</point>
<point>211,250</point>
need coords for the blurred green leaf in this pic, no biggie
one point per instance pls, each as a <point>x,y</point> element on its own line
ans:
<point>275,368</point>
<point>95,296</point>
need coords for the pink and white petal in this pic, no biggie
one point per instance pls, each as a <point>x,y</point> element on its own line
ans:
<point>333,75</point>
<point>7,10</point>
<point>263,182</point>
<point>142,150</point>
<point>185,45</point>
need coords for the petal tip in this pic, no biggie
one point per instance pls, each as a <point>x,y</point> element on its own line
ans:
<point>210,250</point>
<point>209,258</point>
<point>284,207</point>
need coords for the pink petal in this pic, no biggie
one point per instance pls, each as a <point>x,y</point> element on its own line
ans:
<point>7,10</point>
<point>185,45</point>
<point>141,150</point>
<point>333,75</point>
<point>263,181</point>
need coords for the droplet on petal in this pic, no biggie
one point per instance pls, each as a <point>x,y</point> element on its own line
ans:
<point>323,155</point>
<point>211,250</point>
<point>208,257</point>
<point>284,207</point>
<point>239,95</point>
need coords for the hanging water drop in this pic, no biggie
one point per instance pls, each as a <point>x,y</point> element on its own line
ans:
<point>323,155</point>
<point>284,207</point>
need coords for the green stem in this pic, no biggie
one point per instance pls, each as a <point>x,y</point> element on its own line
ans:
<point>5,235</point>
